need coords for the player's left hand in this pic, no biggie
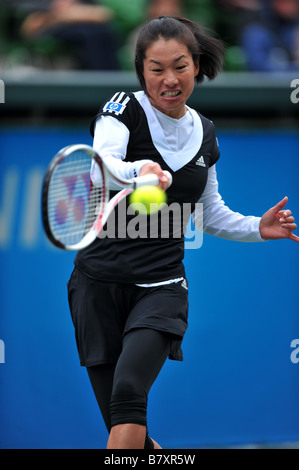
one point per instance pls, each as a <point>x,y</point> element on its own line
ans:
<point>278,223</point>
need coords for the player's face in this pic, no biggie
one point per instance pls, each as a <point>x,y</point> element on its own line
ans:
<point>169,73</point>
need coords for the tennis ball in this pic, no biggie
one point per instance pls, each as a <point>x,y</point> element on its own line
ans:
<point>148,199</point>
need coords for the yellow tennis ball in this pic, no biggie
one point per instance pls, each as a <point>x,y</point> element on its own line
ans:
<point>147,199</point>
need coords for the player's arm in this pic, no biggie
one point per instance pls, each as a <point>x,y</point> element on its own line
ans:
<point>220,221</point>
<point>111,139</point>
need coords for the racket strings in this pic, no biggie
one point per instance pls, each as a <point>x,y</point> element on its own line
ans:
<point>74,202</point>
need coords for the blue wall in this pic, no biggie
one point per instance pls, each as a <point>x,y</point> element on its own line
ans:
<point>237,384</point>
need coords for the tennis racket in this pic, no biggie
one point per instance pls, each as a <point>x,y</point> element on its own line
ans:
<point>76,196</point>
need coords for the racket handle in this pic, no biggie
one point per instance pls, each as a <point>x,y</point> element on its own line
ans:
<point>151,180</point>
<point>169,176</point>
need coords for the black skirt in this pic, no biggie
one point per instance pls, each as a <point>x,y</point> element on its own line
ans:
<point>103,312</point>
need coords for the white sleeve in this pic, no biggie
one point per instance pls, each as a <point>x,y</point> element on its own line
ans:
<point>219,220</point>
<point>111,139</point>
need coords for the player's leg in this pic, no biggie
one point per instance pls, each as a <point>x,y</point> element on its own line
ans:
<point>101,379</point>
<point>143,355</point>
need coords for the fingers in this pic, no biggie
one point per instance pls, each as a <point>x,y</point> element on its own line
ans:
<point>290,227</point>
<point>154,168</point>
<point>286,220</point>
<point>168,179</point>
<point>294,237</point>
<point>164,181</point>
<point>285,217</point>
<point>280,205</point>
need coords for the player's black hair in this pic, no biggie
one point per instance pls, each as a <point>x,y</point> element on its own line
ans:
<point>204,48</point>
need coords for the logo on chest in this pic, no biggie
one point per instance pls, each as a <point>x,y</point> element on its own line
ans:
<point>200,161</point>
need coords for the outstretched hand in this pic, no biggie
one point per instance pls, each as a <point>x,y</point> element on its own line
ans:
<point>278,223</point>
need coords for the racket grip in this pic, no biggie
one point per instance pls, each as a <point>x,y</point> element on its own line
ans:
<point>169,176</point>
<point>151,180</point>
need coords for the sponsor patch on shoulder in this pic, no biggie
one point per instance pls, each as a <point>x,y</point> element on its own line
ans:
<point>118,104</point>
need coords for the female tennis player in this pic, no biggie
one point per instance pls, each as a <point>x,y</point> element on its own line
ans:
<point>129,296</point>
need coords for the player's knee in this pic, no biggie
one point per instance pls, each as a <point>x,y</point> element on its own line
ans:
<point>128,404</point>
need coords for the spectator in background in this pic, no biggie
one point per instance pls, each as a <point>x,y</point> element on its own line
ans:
<point>232,15</point>
<point>158,8</point>
<point>85,30</point>
<point>154,9</point>
<point>271,41</point>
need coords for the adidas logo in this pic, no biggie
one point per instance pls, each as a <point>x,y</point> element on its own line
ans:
<point>184,284</point>
<point>200,162</point>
